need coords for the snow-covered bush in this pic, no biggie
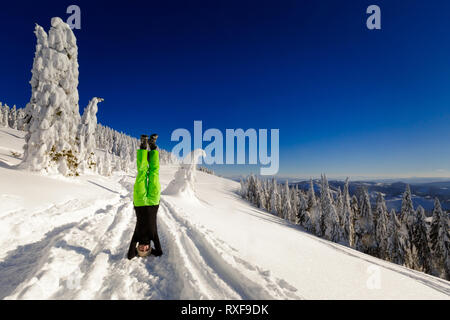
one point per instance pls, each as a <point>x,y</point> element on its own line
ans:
<point>184,180</point>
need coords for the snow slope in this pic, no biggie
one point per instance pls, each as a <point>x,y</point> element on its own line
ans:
<point>67,239</point>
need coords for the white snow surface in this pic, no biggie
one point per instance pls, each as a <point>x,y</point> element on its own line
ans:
<point>64,238</point>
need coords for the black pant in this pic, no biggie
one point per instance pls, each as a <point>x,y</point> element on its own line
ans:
<point>146,230</point>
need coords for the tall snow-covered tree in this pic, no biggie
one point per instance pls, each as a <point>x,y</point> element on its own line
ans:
<point>1,114</point>
<point>440,241</point>
<point>407,210</point>
<point>364,226</point>
<point>53,108</point>
<point>407,221</point>
<point>5,115</point>
<point>381,226</point>
<point>354,212</point>
<point>395,251</point>
<point>311,195</point>
<point>329,224</point>
<point>346,210</point>
<point>267,194</point>
<point>107,165</point>
<point>86,135</point>
<point>286,201</point>
<point>312,222</point>
<point>302,210</point>
<point>13,118</point>
<point>421,253</point>
<point>276,198</point>
<point>294,204</point>
<point>260,199</point>
<point>339,204</point>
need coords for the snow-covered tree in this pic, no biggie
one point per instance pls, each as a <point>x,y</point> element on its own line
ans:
<point>302,209</point>
<point>381,226</point>
<point>13,118</point>
<point>5,115</point>
<point>275,199</point>
<point>107,166</point>
<point>364,226</point>
<point>286,202</point>
<point>311,195</point>
<point>329,224</point>
<point>312,222</point>
<point>354,212</point>
<point>440,241</point>
<point>395,251</point>
<point>346,209</point>
<point>117,165</point>
<point>21,119</point>
<point>1,114</point>
<point>86,135</point>
<point>421,253</point>
<point>260,199</point>
<point>53,108</point>
<point>407,210</point>
<point>339,204</point>
<point>267,194</point>
<point>294,204</point>
<point>407,221</point>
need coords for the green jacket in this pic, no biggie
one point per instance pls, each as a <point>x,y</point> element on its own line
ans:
<point>147,189</point>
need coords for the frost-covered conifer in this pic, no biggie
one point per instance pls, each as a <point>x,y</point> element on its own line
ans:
<point>354,212</point>
<point>86,135</point>
<point>294,204</point>
<point>364,226</point>
<point>407,221</point>
<point>275,198</point>
<point>311,195</point>
<point>106,168</point>
<point>13,118</point>
<point>339,203</point>
<point>346,211</point>
<point>5,115</point>
<point>53,115</point>
<point>302,211</point>
<point>407,211</point>
<point>286,202</point>
<point>1,114</point>
<point>381,226</point>
<point>329,224</point>
<point>421,253</point>
<point>395,251</point>
<point>440,241</point>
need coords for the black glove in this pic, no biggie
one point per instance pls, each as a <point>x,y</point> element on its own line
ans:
<point>152,142</point>
<point>144,142</point>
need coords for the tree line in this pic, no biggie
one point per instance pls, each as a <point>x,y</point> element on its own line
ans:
<point>403,238</point>
<point>119,149</point>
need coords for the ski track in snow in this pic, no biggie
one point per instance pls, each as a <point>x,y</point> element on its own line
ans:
<point>86,258</point>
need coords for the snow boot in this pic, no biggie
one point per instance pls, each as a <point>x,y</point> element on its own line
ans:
<point>152,142</point>
<point>144,142</point>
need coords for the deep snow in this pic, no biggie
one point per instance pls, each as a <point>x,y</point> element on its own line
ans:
<point>67,238</point>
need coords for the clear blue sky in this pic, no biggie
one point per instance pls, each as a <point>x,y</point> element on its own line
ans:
<point>347,101</point>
